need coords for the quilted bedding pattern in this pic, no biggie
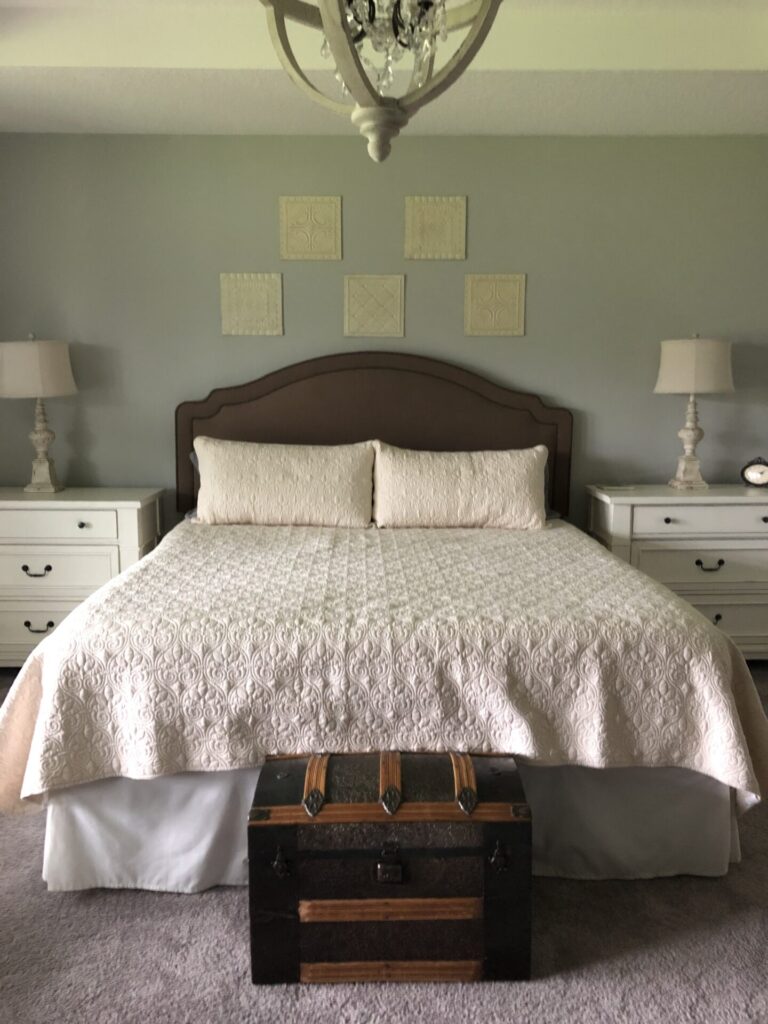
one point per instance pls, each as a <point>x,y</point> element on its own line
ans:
<point>228,643</point>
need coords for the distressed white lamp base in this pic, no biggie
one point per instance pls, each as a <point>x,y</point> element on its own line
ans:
<point>688,476</point>
<point>44,479</point>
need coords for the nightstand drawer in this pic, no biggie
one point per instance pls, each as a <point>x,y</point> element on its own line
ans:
<point>39,570</point>
<point>672,520</point>
<point>739,620</point>
<point>58,524</point>
<point>700,565</point>
<point>27,625</point>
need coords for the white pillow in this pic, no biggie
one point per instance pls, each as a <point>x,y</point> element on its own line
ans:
<point>284,484</point>
<point>504,489</point>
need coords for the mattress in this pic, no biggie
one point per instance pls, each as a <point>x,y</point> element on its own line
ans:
<point>226,644</point>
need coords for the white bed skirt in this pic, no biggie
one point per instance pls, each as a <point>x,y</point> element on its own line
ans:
<point>186,833</point>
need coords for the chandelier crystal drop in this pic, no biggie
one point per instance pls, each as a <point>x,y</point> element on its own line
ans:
<point>394,29</point>
<point>369,41</point>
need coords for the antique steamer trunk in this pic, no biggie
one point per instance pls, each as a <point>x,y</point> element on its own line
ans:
<point>370,867</point>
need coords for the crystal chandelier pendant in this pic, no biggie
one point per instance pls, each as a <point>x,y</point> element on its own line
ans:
<point>365,40</point>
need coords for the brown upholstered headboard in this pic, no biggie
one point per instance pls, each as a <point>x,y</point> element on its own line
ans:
<point>406,400</point>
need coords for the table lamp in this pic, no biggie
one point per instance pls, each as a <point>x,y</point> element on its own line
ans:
<point>693,366</point>
<point>37,369</point>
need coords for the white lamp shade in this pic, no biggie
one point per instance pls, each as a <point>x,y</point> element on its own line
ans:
<point>695,366</point>
<point>35,369</point>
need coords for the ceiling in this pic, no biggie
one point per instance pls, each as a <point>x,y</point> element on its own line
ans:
<point>583,67</point>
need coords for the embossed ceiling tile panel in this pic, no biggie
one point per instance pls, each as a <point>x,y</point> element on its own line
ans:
<point>310,227</point>
<point>494,304</point>
<point>435,227</point>
<point>251,304</point>
<point>374,305</point>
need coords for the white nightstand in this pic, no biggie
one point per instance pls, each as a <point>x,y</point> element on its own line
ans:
<point>56,549</point>
<point>710,546</point>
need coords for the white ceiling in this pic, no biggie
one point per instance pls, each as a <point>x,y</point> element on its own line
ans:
<point>581,67</point>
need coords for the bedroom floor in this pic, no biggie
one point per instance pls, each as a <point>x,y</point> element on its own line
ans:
<point>669,950</point>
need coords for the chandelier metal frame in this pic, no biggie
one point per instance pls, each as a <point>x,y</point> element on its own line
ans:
<point>378,118</point>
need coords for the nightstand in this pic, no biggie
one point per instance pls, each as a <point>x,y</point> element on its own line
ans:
<point>56,549</point>
<point>709,546</point>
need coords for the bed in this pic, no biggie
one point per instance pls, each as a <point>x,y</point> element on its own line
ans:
<point>141,722</point>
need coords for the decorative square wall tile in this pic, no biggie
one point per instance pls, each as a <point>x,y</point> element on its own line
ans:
<point>374,305</point>
<point>435,227</point>
<point>251,304</point>
<point>310,227</point>
<point>494,304</point>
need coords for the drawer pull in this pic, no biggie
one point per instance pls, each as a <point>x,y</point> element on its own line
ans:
<point>710,568</point>
<point>717,618</point>
<point>667,520</point>
<point>37,575</point>
<point>81,525</point>
<point>28,624</point>
<point>765,519</point>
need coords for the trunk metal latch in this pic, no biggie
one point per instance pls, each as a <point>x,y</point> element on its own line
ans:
<point>389,870</point>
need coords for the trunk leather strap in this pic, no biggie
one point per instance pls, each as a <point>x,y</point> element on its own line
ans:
<point>314,784</point>
<point>390,781</point>
<point>464,782</point>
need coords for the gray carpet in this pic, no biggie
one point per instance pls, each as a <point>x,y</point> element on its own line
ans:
<point>666,951</point>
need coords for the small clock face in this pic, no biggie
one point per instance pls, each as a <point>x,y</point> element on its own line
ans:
<point>756,473</point>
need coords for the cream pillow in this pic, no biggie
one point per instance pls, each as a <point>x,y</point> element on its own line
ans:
<point>504,489</point>
<point>284,484</point>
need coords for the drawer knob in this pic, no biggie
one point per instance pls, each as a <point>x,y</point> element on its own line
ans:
<point>717,618</point>
<point>710,568</point>
<point>765,519</point>
<point>81,525</point>
<point>37,575</point>
<point>667,520</point>
<point>28,624</point>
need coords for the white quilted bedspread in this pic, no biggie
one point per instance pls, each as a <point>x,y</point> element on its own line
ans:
<point>231,642</point>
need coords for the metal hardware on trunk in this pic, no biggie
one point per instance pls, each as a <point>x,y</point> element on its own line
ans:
<point>280,865</point>
<point>28,624</point>
<point>313,801</point>
<point>498,859</point>
<point>37,575</point>
<point>710,568</point>
<point>467,800</point>
<point>391,799</point>
<point>389,870</point>
<point>260,814</point>
<point>522,812</point>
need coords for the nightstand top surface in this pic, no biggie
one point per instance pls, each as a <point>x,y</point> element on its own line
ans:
<point>661,494</point>
<point>94,497</point>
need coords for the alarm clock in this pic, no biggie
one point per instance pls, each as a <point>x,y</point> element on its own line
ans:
<point>755,473</point>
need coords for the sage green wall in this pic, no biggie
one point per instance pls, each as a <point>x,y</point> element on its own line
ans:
<point>116,243</point>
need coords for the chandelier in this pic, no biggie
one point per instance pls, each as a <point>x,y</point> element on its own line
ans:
<point>368,41</point>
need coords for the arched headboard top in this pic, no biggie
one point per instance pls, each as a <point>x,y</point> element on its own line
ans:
<point>406,400</point>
